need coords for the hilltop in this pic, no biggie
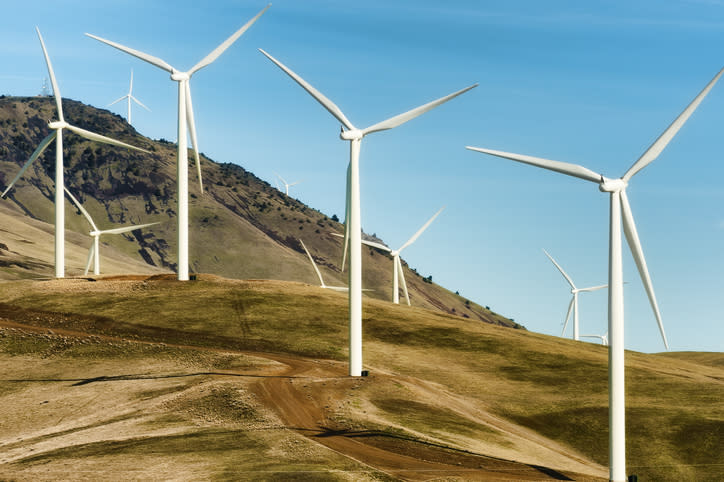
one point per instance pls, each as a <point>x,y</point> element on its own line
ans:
<point>151,378</point>
<point>240,227</point>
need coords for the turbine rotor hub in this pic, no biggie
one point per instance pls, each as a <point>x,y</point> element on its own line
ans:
<point>351,135</point>
<point>612,185</point>
<point>180,76</point>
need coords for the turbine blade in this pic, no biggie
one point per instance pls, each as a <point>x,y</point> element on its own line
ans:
<point>376,245</point>
<point>402,279</point>
<point>420,231</point>
<point>563,167</point>
<point>38,151</point>
<point>126,229</point>
<point>346,216</point>
<point>226,44</point>
<point>411,114</point>
<point>594,288</point>
<point>117,100</point>
<point>314,265</point>
<point>664,139</point>
<point>140,103</point>
<point>54,83</point>
<point>90,256</point>
<point>326,103</point>
<point>81,209</point>
<point>192,131</point>
<point>568,315</point>
<point>99,138</point>
<point>294,183</point>
<point>281,179</point>
<point>632,237</point>
<point>565,275</point>
<point>136,53</point>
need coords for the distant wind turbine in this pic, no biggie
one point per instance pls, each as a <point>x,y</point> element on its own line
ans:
<point>620,210</point>
<point>185,122</point>
<point>130,98</point>
<point>287,185</point>
<point>573,305</point>
<point>352,222</point>
<point>319,275</point>
<point>95,233</point>
<point>57,134</point>
<point>396,264</point>
<point>603,338</point>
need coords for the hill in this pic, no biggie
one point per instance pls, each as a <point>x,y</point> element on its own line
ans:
<point>240,227</point>
<point>148,378</point>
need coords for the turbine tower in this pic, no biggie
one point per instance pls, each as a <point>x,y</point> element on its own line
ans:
<point>185,122</point>
<point>352,222</point>
<point>397,272</point>
<point>93,252</point>
<point>573,305</point>
<point>57,135</point>
<point>620,211</point>
<point>129,96</point>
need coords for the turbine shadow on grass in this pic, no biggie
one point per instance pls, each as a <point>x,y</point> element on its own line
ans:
<point>115,378</point>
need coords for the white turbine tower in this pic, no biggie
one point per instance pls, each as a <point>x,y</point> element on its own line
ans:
<point>129,96</point>
<point>620,210</point>
<point>397,272</point>
<point>95,233</point>
<point>185,122</point>
<point>287,185</point>
<point>57,134</point>
<point>573,305</point>
<point>319,275</point>
<point>352,223</point>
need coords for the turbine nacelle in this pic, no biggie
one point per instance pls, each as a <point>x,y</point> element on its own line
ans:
<point>612,185</point>
<point>57,125</point>
<point>351,135</point>
<point>180,76</point>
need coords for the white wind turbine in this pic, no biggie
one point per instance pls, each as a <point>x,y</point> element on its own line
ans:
<point>95,233</point>
<point>287,185</point>
<point>57,134</point>
<point>603,338</point>
<point>319,275</point>
<point>129,96</point>
<point>185,122</point>
<point>573,305</point>
<point>620,210</point>
<point>397,272</point>
<point>352,224</point>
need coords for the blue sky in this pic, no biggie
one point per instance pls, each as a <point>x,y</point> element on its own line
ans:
<point>592,83</point>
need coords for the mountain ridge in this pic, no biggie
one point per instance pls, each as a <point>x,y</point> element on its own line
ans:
<point>240,227</point>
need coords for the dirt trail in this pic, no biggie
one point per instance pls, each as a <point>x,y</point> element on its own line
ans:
<point>302,391</point>
<point>301,408</point>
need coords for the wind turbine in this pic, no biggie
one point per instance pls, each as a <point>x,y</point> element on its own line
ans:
<point>603,338</point>
<point>352,222</point>
<point>185,122</point>
<point>573,305</point>
<point>57,135</point>
<point>287,185</point>
<point>397,272</point>
<point>93,252</point>
<point>620,210</point>
<point>130,98</point>
<point>319,275</point>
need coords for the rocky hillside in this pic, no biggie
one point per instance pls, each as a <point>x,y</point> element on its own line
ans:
<point>240,227</point>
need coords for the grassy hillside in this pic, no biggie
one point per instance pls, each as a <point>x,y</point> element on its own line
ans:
<point>240,227</point>
<point>193,366</point>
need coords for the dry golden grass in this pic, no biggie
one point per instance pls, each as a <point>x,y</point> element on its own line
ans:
<point>450,381</point>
